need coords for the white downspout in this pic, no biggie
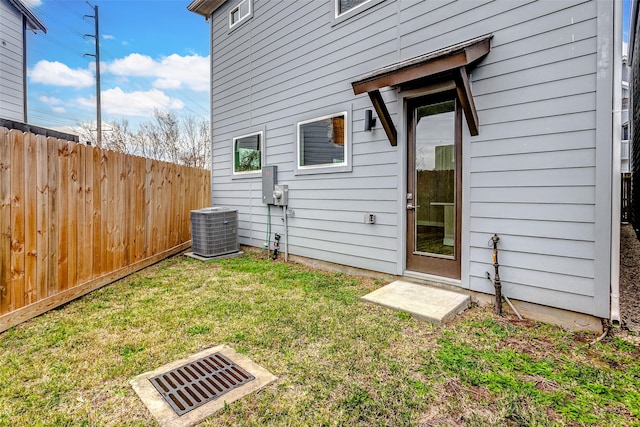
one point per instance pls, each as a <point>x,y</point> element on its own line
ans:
<point>615,166</point>
<point>210,19</point>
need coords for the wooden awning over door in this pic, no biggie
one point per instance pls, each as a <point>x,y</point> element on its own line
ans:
<point>450,63</point>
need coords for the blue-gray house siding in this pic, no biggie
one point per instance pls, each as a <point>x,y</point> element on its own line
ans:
<point>538,173</point>
<point>15,20</point>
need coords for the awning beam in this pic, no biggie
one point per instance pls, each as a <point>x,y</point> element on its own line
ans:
<point>450,63</point>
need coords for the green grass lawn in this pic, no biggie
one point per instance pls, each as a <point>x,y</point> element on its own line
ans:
<point>339,362</point>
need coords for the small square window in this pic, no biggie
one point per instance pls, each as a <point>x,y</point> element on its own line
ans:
<point>247,153</point>
<point>344,6</point>
<point>322,142</point>
<point>239,13</point>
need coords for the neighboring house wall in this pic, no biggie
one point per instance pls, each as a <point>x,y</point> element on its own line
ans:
<point>11,63</point>
<point>634,154</point>
<point>538,174</point>
<point>624,149</point>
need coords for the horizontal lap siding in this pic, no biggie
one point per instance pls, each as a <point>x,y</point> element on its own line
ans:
<point>286,65</point>
<point>11,63</point>
<point>530,174</point>
<point>531,171</point>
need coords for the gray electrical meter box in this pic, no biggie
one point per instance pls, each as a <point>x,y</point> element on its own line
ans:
<point>281,195</point>
<point>269,181</point>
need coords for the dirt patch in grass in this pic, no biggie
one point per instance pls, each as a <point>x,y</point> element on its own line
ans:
<point>629,278</point>
<point>339,361</point>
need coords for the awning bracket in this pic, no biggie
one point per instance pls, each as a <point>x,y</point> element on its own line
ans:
<point>463,88</point>
<point>385,117</point>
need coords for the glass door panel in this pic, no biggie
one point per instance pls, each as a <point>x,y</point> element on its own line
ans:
<point>435,179</point>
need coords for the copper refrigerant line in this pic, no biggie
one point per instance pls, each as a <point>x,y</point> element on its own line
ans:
<point>498,289</point>
<point>497,284</point>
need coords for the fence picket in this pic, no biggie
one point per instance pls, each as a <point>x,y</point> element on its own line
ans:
<point>108,187</point>
<point>104,208</point>
<point>148,207</point>
<point>75,198</point>
<point>16,283</point>
<point>5,220</point>
<point>85,213</point>
<point>96,267</point>
<point>74,218</point>
<point>53,206</point>
<point>42,221</point>
<point>121,221</point>
<point>64,195</point>
<point>138,223</point>
<point>130,193</point>
<point>31,219</point>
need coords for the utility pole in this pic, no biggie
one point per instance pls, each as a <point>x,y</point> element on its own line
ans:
<point>96,36</point>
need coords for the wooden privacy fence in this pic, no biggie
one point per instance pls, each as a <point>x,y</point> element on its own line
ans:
<point>74,218</point>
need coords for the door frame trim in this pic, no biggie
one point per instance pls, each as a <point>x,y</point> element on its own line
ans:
<point>404,97</point>
<point>408,98</point>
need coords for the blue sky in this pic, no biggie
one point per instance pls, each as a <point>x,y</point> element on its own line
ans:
<point>626,11</point>
<point>154,54</point>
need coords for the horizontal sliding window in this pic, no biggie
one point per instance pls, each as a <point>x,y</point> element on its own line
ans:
<point>247,153</point>
<point>322,142</point>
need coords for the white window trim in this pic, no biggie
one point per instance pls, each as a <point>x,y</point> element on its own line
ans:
<point>326,167</point>
<point>347,14</point>
<point>242,19</point>
<point>247,174</point>
<point>337,8</point>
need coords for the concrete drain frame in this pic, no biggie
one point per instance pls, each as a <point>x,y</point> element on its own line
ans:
<point>225,376</point>
<point>194,384</point>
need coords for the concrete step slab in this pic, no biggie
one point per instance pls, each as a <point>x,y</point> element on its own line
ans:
<point>425,302</point>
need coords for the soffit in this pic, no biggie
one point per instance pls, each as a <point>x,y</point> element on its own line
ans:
<point>33,23</point>
<point>205,7</point>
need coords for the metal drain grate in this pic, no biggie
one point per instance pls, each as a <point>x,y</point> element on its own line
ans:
<point>196,383</point>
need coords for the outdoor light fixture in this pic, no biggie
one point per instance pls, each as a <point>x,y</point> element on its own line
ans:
<point>369,120</point>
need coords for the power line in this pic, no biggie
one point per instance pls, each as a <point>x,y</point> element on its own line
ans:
<point>61,44</point>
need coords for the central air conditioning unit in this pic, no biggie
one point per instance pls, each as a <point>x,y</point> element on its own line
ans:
<point>214,231</point>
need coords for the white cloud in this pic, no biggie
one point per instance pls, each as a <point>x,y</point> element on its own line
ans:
<point>32,3</point>
<point>108,37</point>
<point>58,74</point>
<point>55,103</point>
<point>139,103</point>
<point>50,100</point>
<point>167,84</point>
<point>172,72</point>
<point>103,66</point>
<point>133,65</point>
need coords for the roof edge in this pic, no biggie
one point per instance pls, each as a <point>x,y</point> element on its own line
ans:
<point>32,19</point>
<point>632,30</point>
<point>205,7</point>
